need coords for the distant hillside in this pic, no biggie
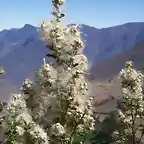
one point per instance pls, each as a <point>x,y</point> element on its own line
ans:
<point>22,50</point>
<point>100,44</point>
<point>103,43</point>
<point>111,67</point>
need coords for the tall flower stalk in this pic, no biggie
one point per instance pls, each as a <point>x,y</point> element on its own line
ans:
<point>131,114</point>
<point>55,107</point>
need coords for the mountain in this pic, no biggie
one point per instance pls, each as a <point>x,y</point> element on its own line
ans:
<point>107,71</point>
<point>18,34</point>
<point>103,43</point>
<point>112,66</point>
<point>100,44</point>
<point>22,50</point>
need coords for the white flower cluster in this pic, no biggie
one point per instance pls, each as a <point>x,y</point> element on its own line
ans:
<point>46,75</point>
<point>28,87</point>
<point>131,81</point>
<point>71,102</point>
<point>16,105</point>
<point>133,99</point>
<point>55,107</point>
<point>18,113</point>
<point>57,129</point>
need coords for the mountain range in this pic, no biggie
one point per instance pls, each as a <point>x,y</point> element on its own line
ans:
<point>107,69</point>
<point>22,52</point>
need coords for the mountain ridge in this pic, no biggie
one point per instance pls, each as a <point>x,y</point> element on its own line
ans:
<point>22,50</point>
<point>111,67</point>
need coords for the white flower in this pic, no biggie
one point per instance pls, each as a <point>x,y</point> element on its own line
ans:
<point>91,98</point>
<point>38,132</point>
<point>82,87</point>
<point>141,109</point>
<point>29,85</point>
<point>24,117</point>
<point>69,113</point>
<point>121,114</point>
<point>80,128</point>
<point>20,130</point>
<point>83,58</point>
<point>69,69</point>
<point>115,133</point>
<point>26,81</point>
<point>47,67</point>
<point>85,84</point>
<point>57,129</point>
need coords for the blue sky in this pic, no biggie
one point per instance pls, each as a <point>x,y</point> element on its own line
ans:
<point>97,13</point>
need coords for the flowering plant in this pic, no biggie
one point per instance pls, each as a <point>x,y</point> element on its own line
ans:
<point>55,107</point>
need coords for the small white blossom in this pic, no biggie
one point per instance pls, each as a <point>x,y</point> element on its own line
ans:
<point>57,129</point>
<point>20,130</point>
